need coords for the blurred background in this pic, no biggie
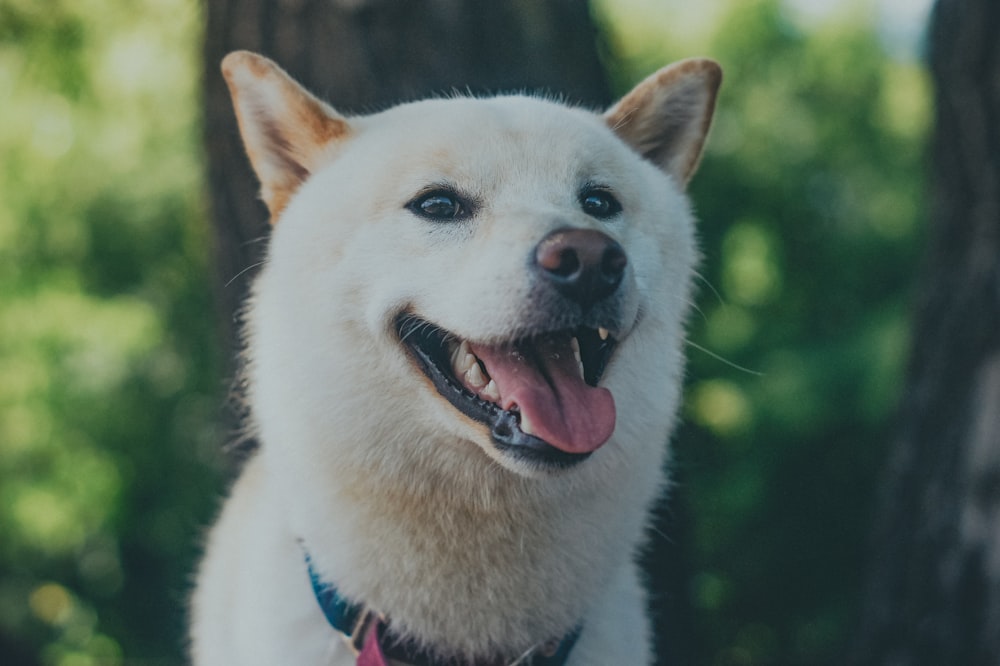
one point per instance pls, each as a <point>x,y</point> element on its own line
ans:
<point>118,280</point>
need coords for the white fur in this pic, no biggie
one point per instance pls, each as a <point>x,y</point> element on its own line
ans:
<point>403,502</point>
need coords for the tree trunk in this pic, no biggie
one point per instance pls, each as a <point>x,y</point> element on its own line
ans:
<point>933,595</point>
<point>363,55</point>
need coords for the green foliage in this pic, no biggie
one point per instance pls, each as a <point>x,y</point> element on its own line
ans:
<point>108,354</point>
<point>811,204</point>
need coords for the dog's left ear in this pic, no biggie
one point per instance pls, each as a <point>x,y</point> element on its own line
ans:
<point>287,132</point>
<point>666,117</point>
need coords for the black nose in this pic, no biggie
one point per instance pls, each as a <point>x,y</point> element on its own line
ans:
<point>584,265</point>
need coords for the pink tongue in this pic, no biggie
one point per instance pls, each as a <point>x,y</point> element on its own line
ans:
<point>544,383</point>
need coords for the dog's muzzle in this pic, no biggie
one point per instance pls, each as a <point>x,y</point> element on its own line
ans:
<point>538,393</point>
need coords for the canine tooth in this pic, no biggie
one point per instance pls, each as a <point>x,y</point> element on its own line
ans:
<point>491,392</point>
<point>526,425</point>
<point>603,332</point>
<point>474,376</point>
<point>574,344</point>
<point>456,351</point>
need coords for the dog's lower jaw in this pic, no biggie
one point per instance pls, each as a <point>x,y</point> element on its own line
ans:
<point>459,375</point>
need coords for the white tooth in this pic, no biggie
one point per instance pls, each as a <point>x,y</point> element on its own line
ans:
<point>574,344</point>
<point>491,392</point>
<point>580,366</point>
<point>603,332</point>
<point>474,377</point>
<point>462,360</point>
<point>526,425</point>
<point>458,352</point>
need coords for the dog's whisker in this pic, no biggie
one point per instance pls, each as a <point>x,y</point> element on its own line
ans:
<point>704,280</point>
<point>244,271</point>
<point>254,241</point>
<point>696,308</point>
<point>722,359</point>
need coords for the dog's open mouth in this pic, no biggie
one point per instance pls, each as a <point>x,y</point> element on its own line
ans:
<point>538,396</point>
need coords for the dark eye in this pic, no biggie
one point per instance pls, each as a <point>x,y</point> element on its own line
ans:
<point>440,205</point>
<point>599,203</point>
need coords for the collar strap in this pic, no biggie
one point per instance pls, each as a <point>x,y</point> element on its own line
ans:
<point>367,634</point>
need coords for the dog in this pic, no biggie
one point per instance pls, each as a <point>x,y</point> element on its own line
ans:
<point>464,356</point>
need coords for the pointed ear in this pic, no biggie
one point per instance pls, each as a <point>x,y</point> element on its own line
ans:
<point>285,129</point>
<point>666,117</point>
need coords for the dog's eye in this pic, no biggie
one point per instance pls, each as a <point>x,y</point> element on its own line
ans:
<point>440,205</point>
<point>599,203</point>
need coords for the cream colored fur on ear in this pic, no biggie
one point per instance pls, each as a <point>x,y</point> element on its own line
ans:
<point>285,129</point>
<point>666,117</point>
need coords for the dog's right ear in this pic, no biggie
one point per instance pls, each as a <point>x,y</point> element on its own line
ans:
<point>287,132</point>
<point>666,117</point>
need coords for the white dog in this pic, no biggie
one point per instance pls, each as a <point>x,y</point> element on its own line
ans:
<point>464,356</point>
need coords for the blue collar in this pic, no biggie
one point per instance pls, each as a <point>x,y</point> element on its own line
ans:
<point>354,621</point>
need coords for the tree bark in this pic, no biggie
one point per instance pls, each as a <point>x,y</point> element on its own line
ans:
<point>363,55</point>
<point>933,595</point>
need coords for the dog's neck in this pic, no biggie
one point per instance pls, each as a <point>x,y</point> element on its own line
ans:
<point>475,562</point>
<point>369,636</point>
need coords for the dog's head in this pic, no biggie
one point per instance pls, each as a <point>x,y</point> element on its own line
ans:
<point>509,271</point>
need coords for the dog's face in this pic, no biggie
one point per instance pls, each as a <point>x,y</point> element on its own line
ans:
<point>509,272</point>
